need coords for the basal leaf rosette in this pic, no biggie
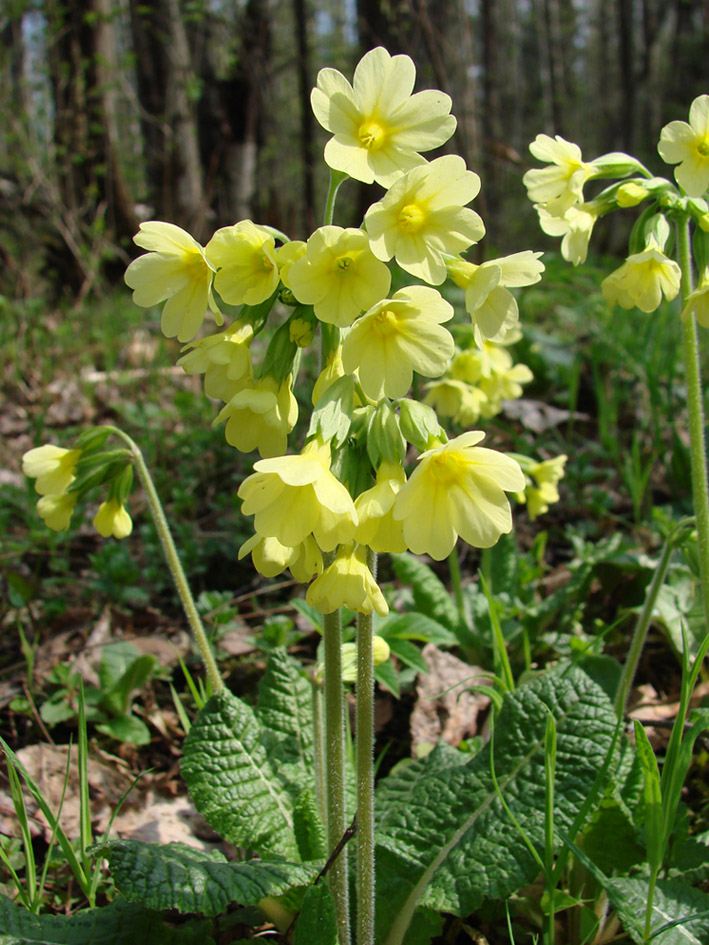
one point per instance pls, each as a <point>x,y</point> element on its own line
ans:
<point>339,275</point>
<point>245,256</point>
<point>378,126</point>
<point>396,337</point>
<point>424,215</point>
<point>177,270</point>
<point>687,145</point>
<point>292,497</point>
<point>458,489</point>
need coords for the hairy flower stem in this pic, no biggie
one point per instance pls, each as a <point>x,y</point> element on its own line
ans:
<point>173,560</point>
<point>700,488</point>
<point>454,570</point>
<point>365,772</point>
<point>335,767</point>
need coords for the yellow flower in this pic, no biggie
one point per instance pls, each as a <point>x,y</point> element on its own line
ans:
<point>260,416</point>
<point>339,275</point>
<point>642,280</point>
<point>688,145</point>
<point>291,497</point>
<point>458,489</point>
<point>270,557</point>
<point>455,399</point>
<point>490,304</point>
<point>223,358</point>
<point>245,256</point>
<point>698,301</point>
<point>327,377</point>
<point>380,654</point>
<point>347,582</point>
<point>424,215</point>
<point>176,269</point>
<point>56,510</point>
<point>574,226</point>
<point>545,493</point>
<point>559,186</point>
<point>377,527</point>
<point>396,337</point>
<point>52,467</point>
<point>286,255</point>
<point>112,519</point>
<point>378,125</point>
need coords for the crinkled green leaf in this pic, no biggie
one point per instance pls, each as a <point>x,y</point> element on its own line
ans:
<point>413,626</point>
<point>689,859</point>
<point>430,595</point>
<point>674,900</point>
<point>119,923</point>
<point>317,922</point>
<point>612,840</point>
<point>175,876</point>
<point>443,833</point>
<point>232,782</point>
<point>285,711</point>
<point>309,830</point>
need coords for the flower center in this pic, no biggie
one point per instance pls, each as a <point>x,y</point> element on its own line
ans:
<point>411,218</point>
<point>385,323</point>
<point>446,468</point>
<point>371,135</point>
<point>703,147</point>
<point>344,266</point>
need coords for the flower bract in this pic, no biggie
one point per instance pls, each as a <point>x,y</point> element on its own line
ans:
<point>347,582</point>
<point>245,256</point>
<point>52,467</point>
<point>339,275</point>
<point>396,337</point>
<point>291,497</point>
<point>642,280</point>
<point>177,270</point>
<point>112,519</point>
<point>687,145</point>
<point>424,215</point>
<point>458,488</point>
<point>378,126</point>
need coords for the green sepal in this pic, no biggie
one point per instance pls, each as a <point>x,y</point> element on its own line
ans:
<point>616,164</point>
<point>281,351</point>
<point>92,439</point>
<point>385,441</point>
<point>700,247</point>
<point>419,424</point>
<point>638,239</point>
<point>257,315</point>
<point>332,415</point>
<point>351,466</point>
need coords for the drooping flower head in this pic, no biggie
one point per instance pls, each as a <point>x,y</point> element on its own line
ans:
<point>292,497</point>
<point>489,302</point>
<point>245,256</point>
<point>347,582</point>
<point>56,510</point>
<point>396,337</point>
<point>643,279</point>
<point>424,215</point>
<point>270,557</point>
<point>260,416</point>
<point>52,467</point>
<point>112,519</point>
<point>176,269</point>
<point>687,145</point>
<point>378,126</point>
<point>224,358</point>
<point>339,275</point>
<point>574,227</point>
<point>560,185</point>
<point>458,488</point>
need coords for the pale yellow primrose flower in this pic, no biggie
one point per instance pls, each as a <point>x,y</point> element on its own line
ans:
<point>378,125</point>
<point>224,358</point>
<point>488,301</point>
<point>574,227</point>
<point>52,467</point>
<point>333,370</point>
<point>559,186</point>
<point>460,401</point>
<point>260,416</point>
<point>642,280</point>
<point>56,510</point>
<point>270,557</point>
<point>176,269</point>
<point>380,654</point>
<point>688,145</point>
<point>339,275</point>
<point>396,337</point>
<point>112,519</point>
<point>458,489</point>
<point>291,497</point>
<point>347,582</point>
<point>286,255</point>
<point>245,256</point>
<point>698,301</point>
<point>377,527</point>
<point>423,215</point>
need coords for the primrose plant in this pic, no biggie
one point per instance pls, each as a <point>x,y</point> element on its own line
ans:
<point>454,829</point>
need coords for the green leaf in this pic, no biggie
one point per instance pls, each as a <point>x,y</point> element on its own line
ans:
<point>332,414</point>
<point>442,825</point>
<point>414,626</point>
<point>430,594</point>
<point>175,876</point>
<point>285,710</point>
<point>317,923</point>
<point>309,829</point>
<point>689,858</point>
<point>119,923</point>
<point>232,782</point>
<point>673,901</point>
<point>612,840</point>
<point>652,795</point>
<point>126,728</point>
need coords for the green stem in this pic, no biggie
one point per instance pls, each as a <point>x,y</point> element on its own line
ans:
<point>696,414</point>
<point>335,768</point>
<point>454,570</point>
<point>319,749</point>
<point>641,628</point>
<point>173,560</point>
<point>336,179</point>
<point>365,772</point>
<point>650,900</point>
